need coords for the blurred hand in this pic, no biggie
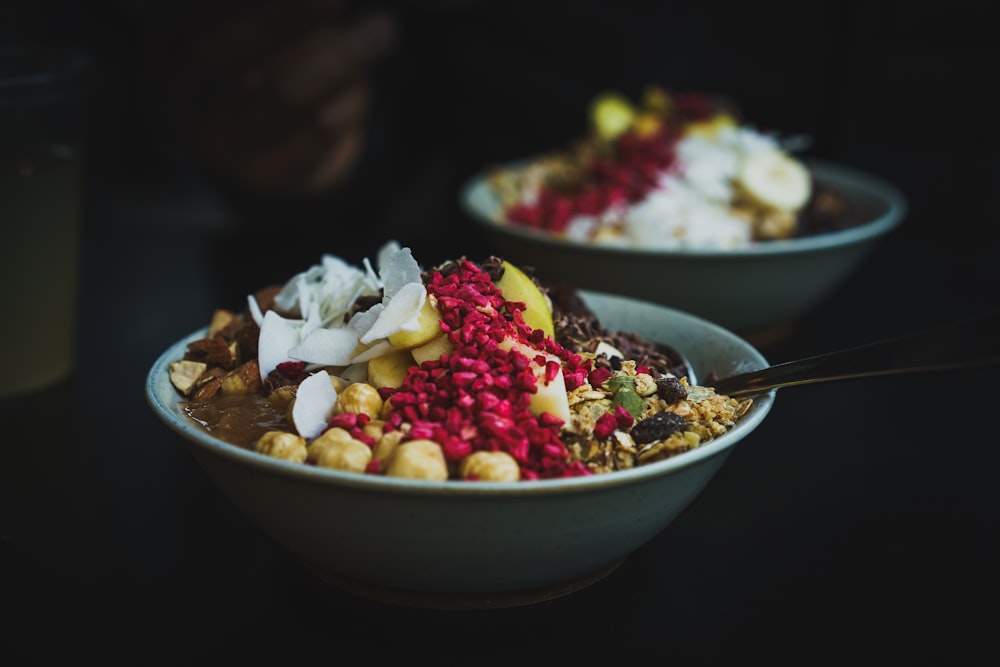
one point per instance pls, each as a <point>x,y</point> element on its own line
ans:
<point>274,97</point>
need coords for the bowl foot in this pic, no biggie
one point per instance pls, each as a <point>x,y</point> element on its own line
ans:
<point>444,600</point>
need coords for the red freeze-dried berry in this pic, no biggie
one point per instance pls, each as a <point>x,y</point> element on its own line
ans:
<point>599,376</point>
<point>291,369</point>
<point>605,426</point>
<point>623,417</point>
<point>478,396</point>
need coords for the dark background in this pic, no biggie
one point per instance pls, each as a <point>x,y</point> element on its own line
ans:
<point>900,89</point>
<point>858,525</point>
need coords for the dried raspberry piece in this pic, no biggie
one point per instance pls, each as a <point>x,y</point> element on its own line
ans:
<point>605,426</point>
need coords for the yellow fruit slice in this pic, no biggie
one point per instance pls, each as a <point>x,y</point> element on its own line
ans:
<point>711,127</point>
<point>611,115</point>
<point>433,349</point>
<point>775,180</point>
<point>515,285</point>
<point>389,370</point>
<point>428,326</point>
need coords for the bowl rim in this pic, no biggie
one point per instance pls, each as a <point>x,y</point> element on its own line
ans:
<point>168,412</point>
<point>475,191</point>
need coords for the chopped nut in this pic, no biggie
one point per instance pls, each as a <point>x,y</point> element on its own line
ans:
<point>184,374</point>
<point>284,394</point>
<point>359,398</point>
<point>490,466</point>
<point>220,320</point>
<point>215,351</point>
<point>282,445</point>
<point>386,445</point>
<point>243,380</point>
<point>336,449</point>
<point>208,387</point>
<point>418,459</point>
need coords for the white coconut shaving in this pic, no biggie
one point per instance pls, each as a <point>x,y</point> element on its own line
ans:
<point>690,208</point>
<point>313,404</point>
<point>277,336</point>
<point>400,312</point>
<point>323,295</point>
<point>333,284</point>
<point>677,216</point>
<point>325,347</point>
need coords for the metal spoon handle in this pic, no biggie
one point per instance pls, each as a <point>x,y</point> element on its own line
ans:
<point>970,343</point>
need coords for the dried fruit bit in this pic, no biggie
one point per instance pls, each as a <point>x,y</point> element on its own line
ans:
<point>657,427</point>
<point>605,426</point>
<point>670,389</point>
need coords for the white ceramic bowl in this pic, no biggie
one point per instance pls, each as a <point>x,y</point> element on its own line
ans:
<point>749,291</point>
<point>482,543</point>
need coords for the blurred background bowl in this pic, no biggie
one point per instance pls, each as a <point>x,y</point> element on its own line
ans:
<point>758,292</point>
<point>483,543</point>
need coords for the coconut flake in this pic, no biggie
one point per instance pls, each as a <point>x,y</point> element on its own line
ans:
<point>399,270</point>
<point>277,336</point>
<point>314,401</point>
<point>254,309</point>
<point>314,321</point>
<point>400,312</point>
<point>323,295</point>
<point>388,249</point>
<point>327,347</point>
<point>333,284</point>
<point>297,289</point>
<point>355,373</point>
<point>363,320</point>
<point>368,353</point>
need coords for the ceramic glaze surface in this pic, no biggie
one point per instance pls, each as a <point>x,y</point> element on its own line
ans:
<point>745,290</point>
<point>463,537</point>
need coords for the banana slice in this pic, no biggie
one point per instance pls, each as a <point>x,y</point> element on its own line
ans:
<point>710,128</point>
<point>774,179</point>
<point>611,115</point>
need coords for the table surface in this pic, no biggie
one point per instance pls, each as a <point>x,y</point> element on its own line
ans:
<point>859,522</point>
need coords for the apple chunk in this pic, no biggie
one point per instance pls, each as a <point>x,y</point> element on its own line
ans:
<point>548,397</point>
<point>516,285</point>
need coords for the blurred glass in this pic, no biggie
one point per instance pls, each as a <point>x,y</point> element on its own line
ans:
<point>41,144</point>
